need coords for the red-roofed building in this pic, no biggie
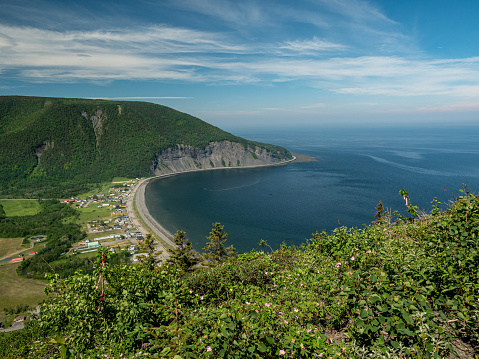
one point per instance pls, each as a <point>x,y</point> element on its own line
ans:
<point>19,259</point>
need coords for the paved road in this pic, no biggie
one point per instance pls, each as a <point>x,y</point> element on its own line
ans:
<point>15,326</point>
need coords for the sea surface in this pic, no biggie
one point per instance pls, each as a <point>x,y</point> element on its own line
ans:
<point>355,169</point>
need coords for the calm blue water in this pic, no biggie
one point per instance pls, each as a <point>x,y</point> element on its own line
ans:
<point>355,170</point>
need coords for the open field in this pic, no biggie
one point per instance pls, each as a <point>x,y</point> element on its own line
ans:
<point>92,213</point>
<point>24,207</point>
<point>121,180</point>
<point>9,246</point>
<point>18,290</point>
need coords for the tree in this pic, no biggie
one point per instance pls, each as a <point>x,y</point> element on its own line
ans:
<point>183,255</point>
<point>215,252</point>
<point>2,213</point>
<point>150,256</point>
<point>380,211</point>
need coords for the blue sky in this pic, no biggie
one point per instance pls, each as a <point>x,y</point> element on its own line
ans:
<point>253,63</point>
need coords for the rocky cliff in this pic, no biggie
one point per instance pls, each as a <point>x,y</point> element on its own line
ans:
<point>216,155</point>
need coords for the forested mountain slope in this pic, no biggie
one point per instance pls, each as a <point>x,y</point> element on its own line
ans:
<point>54,147</point>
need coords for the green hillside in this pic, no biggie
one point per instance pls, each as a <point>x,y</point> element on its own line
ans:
<point>56,147</point>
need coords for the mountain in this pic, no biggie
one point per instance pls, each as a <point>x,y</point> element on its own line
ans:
<point>57,147</point>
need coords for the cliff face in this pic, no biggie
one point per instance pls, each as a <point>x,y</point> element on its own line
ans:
<point>216,155</point>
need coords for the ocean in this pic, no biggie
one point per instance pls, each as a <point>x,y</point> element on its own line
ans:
<point>355,169</point>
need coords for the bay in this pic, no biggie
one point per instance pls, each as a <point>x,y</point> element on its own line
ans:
<point>355,169</point>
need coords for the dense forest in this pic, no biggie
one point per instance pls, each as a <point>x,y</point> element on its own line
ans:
<point>52,148</point>
<point>402,287</point>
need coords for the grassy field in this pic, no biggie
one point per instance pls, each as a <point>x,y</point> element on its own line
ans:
<point>18,290</point>
<point>20,207</point>
<point>121,180</point>
<point>9,245</point>
<point>92,213</point>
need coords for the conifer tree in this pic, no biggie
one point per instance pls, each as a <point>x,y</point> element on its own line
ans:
<point>379,212</point>
<point>215,252</point>
<point>2,212</point>
<point>183,255</point>
<point>150,258</point>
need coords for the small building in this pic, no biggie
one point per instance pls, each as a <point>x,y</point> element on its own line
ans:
<point>93,244</point>
<point>19,259</point>
<point>20,318</point>
<point>32,253</point>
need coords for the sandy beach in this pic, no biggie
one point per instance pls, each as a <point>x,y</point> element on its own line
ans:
<point>137,196</point>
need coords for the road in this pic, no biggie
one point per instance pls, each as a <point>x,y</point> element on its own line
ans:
<point>139,190</point>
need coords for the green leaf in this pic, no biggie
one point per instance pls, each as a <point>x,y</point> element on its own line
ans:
<point>63,350</point>
<point>261,347</point>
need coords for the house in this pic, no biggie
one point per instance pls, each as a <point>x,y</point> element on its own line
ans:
<point>32,253</point>
<point>19,259</point>
<point>93,244</point>
<point>20,318</point>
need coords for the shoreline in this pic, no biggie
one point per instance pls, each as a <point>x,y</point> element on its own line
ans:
<point>136,204</point>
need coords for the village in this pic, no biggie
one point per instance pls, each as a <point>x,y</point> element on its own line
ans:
<point>105,220</point>
<point>113,226</point>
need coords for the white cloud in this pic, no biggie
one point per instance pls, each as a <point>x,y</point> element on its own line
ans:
<point>310,46</point>
<point>166,53</point>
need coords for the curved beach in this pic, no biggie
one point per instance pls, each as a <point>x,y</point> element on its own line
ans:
<point>137,197</point>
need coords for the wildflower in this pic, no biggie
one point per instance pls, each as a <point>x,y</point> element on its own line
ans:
<point>293,340</point>
<point>296,310</point>
<point>302,346</point>
<point>282,352</point>
<point>338,264</point>
<point>248,303</point>
<point>191,292</point>
<point>208,348</point>
<point>267,304</point>
<point>201,298</point>
<point>352,258</point>
<point>368,251</point>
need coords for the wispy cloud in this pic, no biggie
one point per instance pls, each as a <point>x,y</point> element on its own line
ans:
<point>310,46</point>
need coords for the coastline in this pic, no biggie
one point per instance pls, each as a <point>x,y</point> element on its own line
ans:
<point>138,211</point>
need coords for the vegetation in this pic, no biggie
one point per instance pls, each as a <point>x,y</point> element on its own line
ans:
<point>214,251</point>
<point>18,290</point>
<point>183,254</point>
<point>55,148</point>
<point>150,257</point>
<point>407,288</point>
<point>14,208</point>
<point>60,237</point>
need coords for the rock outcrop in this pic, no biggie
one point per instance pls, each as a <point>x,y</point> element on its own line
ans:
<point>216,155</point>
